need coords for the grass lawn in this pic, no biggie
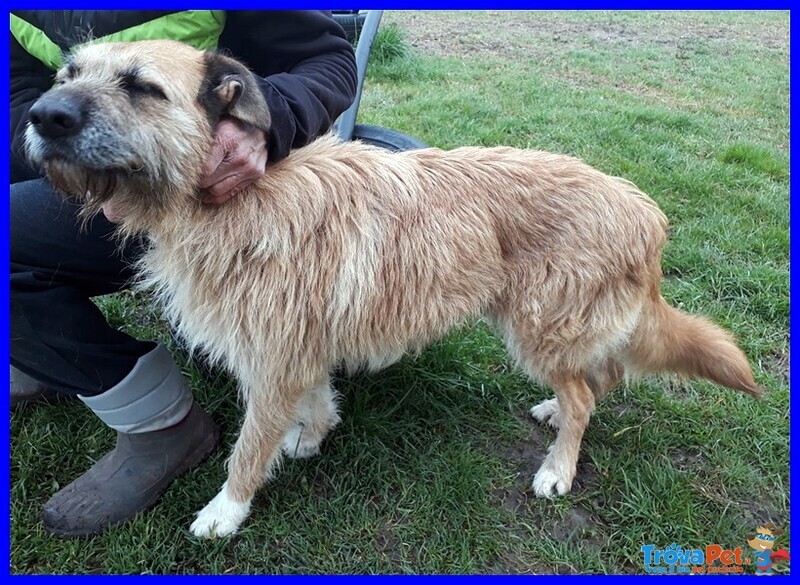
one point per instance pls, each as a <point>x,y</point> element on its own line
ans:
<point>431,468</point>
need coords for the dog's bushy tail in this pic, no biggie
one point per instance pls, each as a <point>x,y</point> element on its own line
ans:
<point>669,340</point>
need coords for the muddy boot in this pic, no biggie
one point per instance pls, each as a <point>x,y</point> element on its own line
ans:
<point>161,434</point>
<point>26,389</point>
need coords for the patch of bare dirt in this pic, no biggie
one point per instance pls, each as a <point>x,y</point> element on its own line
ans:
<point>777,363</point>
<point>686,459</point>
<point>387,543</point>
<point>754,513</point>
<point>532,34</point>
<point>508,564</point>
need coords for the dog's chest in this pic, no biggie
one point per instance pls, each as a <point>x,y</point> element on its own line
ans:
<point>207,299</point>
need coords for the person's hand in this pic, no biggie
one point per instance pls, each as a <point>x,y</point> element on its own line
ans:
<point>238,159</point>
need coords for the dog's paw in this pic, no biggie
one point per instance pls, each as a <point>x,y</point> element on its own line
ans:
<point>296,444</point>
<point>549,482</point>
<point>547,412</point>
<point>221,517</point>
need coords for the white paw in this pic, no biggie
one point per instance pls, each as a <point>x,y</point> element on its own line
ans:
<point>222,516</point>
<point>296,444</point>
<point>549,482</point>
<point>548,412</point>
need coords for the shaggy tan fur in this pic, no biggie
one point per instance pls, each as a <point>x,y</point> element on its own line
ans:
<point>346,253</point>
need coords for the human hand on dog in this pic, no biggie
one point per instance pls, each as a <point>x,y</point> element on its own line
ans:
<point>238,159</point>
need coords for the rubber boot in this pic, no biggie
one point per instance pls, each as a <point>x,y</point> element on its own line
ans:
<point>161,434</point>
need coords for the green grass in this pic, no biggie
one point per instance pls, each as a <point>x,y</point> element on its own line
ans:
<point>389,46</point>
<point>429,472</point>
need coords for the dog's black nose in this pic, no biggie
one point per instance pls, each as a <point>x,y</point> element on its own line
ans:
<point>58,116</point>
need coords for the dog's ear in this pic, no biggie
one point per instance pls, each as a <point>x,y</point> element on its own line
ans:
<point>229,88</point>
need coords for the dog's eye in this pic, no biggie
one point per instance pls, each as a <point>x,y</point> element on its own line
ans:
<point>67,73</point>
<point>135,86</point>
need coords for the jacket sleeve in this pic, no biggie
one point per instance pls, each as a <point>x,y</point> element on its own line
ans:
<point>29,80</point>
<point>307,69</point>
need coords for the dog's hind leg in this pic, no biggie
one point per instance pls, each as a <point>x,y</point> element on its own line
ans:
<point>270,413</point>
<point>548,412</point>
<point>600,379</point>
<point>575,405</point>
<point>315,417</point>
<point>604,378</point>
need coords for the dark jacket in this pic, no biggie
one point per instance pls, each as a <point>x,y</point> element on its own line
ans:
<point>307,67</point>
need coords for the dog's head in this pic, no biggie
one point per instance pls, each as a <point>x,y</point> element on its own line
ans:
<point>133,123</point>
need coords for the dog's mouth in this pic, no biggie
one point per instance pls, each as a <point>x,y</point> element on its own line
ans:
<point>78,181</point>
<point>92,187</point>
<point>81,182</point>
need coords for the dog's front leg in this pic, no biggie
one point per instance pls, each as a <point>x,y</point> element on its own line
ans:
<point>222,516</point>
<point>267,419</point>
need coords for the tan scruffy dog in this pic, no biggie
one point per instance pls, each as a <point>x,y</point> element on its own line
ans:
<point>346,253</point>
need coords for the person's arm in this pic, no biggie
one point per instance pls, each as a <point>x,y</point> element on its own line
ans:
<point>307,66</point>
<point>307,71</point>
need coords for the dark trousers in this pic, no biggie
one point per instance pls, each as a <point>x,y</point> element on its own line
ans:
<point>58,335</point>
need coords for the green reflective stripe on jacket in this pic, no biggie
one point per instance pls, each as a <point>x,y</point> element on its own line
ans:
<point>36,42</point>
<point>199,28</point>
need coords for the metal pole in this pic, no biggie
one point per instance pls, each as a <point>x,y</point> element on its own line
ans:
<point>347,121</point>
